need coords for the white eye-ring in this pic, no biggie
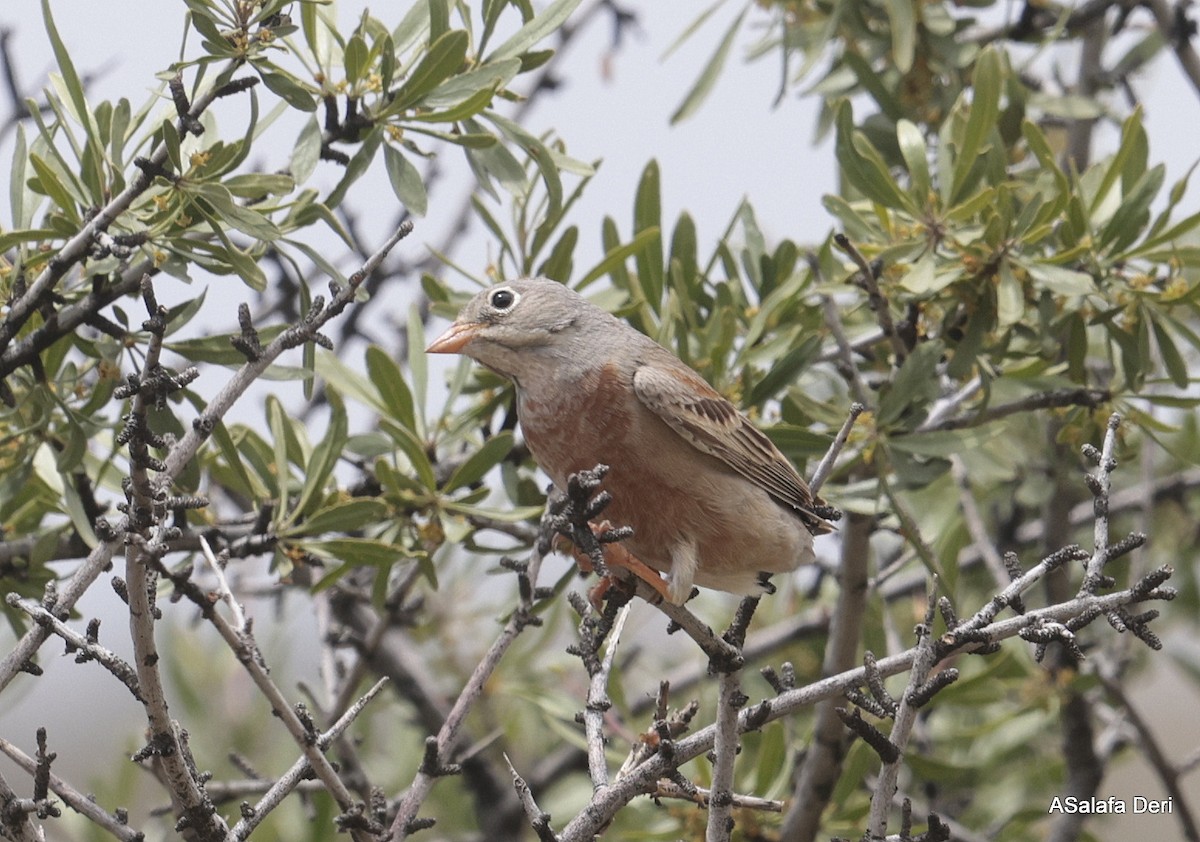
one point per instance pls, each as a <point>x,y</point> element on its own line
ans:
<point>503,299</point>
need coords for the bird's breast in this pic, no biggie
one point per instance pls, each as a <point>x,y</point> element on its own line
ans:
<point>573,426</point>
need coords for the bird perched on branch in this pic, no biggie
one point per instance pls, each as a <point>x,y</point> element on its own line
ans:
<point>711,500</point>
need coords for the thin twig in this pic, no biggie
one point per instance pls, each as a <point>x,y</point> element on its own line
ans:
<point>974,523</point>
<point>439,748</point>
<point>608,801</point>
<point>699,795</point>
<point>825,466</point>
<point>301,769</point>
<point>730,700</point>
<point>83,804</point>
<point>1168,21</point>
<point>905,718</point>
<point>539,820</point>
<point>845,357</point>
<point>88,649</point>
<point>1100,484</point>
<point>598,704</point>
<point>226,592</point>
<point>868,279</point>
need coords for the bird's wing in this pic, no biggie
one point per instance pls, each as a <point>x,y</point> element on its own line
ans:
<point>713,425</point>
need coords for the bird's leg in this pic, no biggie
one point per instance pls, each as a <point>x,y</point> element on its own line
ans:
<point>617,558</point>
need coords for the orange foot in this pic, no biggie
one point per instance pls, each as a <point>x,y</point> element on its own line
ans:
<point>617,558</point>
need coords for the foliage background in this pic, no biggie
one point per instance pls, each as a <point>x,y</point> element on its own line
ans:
<point>780,376</point>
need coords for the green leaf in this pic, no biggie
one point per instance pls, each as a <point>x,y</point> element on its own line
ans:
<point>418,361</point>
<point>258,185</point>
<point>914,385</point>
<point>785,371</point>
<point>541,156</point>
<point>244,219</point>
<point>350,382</point>
<point>865,168</point>
<point>903,27</point>
<point>492,76</point>
<point>277,420</point>
<point>618,253</point>
<point>307,152</point>
<point>1130,218</point>
<point>1010,297</point>
<point>11,239</point>
<point>1133,141</point>
<point>647,214</point>
<point>549,20</point>
<point>75,91</point>
<point>560,264</point>
<point>54,187</point>
<point>356,58</point>
<point>982,113</point>
<point>468,107</point>
<point>924,279</point>
<point>912,148</point>
<point>251,485</point>
<point>18,187</point>
<point>343,517</point>
<point>480,462</point>
<point>78,513</point>
<point>358,551</point>
<point>439,18</point>
<point>405,180</point>
<point>324,456</point>
<point>443,58</point>
<point>1058,279</point>
<point>393,390</point>
<point>1173,362</point>
<point>413,448</point>
<point>873,84</point>
<point>288,88</point>
<point>708,76</point>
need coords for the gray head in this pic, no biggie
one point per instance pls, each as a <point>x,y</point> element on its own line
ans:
<point>521,323</point>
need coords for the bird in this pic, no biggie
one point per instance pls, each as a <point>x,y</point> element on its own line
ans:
<point>711,500</point>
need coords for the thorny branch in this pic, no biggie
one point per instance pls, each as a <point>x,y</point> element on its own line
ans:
<point>982,632</point>
<point>439,748</point>
<point>147,538</point>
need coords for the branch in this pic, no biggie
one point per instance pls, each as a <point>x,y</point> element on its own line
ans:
<point>301,768</point>
<point>825,466</point>
<point>1169,20</point>
<point>822,763</point>
<point>85,805</point>
<point>87,647</point>
<point>307,331</point>
<point>1051,399</point>
<point>608,801</point>
<point>439,748</point>
<point>76,248</point>
<point>598,702</point>
<point>868,279</point>
<point>915,695</point>
<point>1149,746</point>
<point>144,527</point>
<point>730,700</point>
<point>21,657</point>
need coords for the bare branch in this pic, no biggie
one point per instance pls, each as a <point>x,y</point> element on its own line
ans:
<point>439,748</point>
<point>301,769</point>
<point>77,801</point>
<point>825,466</point>
<point>868,279</point>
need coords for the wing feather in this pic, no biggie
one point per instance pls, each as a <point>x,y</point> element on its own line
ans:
<point>713,425</point>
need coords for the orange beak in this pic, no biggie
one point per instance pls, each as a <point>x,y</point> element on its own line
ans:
<point>454,339</point>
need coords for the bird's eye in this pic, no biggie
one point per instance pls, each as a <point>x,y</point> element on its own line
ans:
<point>503,299</point>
